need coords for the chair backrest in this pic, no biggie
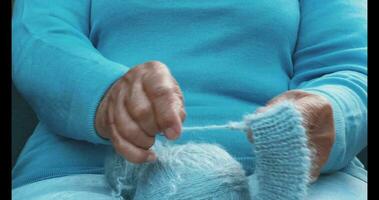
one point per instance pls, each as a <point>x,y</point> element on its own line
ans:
<point>23,123</point>
<point>363,156</point>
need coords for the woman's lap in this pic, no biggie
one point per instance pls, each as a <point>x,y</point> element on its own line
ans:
<point>336,186</point>
<point>83,186</point>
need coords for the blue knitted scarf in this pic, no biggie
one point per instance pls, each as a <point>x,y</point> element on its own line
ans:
<point>207,171</point>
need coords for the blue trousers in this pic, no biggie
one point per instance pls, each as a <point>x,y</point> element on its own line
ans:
<point>337,186</point>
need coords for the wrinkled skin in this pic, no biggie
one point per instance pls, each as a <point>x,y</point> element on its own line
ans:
<point>318,121</point>
<point>148,100</point>
<point>145,101</point>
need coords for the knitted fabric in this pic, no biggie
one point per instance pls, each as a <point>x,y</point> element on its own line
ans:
<point>206,171</point>
<point>190,171</point>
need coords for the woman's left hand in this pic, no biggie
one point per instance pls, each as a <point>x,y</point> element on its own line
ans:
<point>318,121</point>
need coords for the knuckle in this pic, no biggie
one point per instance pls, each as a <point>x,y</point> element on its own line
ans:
<point>117,87</point>
<point>131,133</point>
<point>141,112</point>
<point>148,143</point>
<point>137,158</point>
<point>128,75</point>
<point>161,91</point>
<point>109,117</point>
<point>166,120</point>
<point>114,94</point>
<point>151,142</point>
<point>155,64</point>
<point>117,144</point>
<point>151,127</point>
<point>155,68</point>
<point>176,86</point>
<point>179,94</point>
<point>183,114</point>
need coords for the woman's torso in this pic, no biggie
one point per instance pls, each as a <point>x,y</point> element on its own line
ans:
<point>229,57</point>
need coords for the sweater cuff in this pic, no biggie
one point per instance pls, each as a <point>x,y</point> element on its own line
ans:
<point>88,96</point>
<point>282,155</point>
<point>339,126</point>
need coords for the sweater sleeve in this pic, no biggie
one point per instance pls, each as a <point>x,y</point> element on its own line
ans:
<point>56,67</point>
<point>331,60</point>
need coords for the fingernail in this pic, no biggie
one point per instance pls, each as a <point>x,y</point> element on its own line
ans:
<point>151,157</point>
<point>171,133</point>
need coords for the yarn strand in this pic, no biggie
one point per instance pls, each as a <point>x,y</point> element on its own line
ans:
<point>238,126</point>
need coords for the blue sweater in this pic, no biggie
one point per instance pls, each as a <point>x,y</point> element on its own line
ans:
<point>229,57</point>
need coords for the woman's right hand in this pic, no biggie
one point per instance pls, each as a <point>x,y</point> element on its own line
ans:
<point>145,101</point>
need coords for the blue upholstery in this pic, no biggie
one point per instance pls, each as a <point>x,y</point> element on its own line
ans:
<point>23,123</point>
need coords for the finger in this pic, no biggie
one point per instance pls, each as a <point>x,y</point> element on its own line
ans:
<point>141,110</point>
<point>179,94</point>
<point>161,72</point>
<point>182,114</point>
<point>101,119</point>
<point>166,102</point>
<point>128,128</point>
<point>129,151</point>
<point>121,146</point>
<point>167,114</point>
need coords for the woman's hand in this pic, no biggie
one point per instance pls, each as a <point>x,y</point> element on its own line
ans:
<point>143,102</point>
<point>318,121</point>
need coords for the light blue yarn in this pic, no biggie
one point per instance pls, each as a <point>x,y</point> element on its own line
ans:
<point>283,159</point>
<point>206,171</point>
<point>190,171</point>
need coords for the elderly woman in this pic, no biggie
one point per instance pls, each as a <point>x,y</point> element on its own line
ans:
<point>103,75</point>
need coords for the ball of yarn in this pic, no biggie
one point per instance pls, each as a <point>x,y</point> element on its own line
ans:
<point>206,171</point>
<point>188,171</point>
